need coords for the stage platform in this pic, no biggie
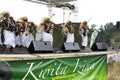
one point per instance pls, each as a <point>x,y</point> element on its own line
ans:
<point>26,56</point>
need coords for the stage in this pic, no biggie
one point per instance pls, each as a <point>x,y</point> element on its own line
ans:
<point>29,56</point>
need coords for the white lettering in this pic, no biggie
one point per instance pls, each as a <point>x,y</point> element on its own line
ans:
<point>30,72</point>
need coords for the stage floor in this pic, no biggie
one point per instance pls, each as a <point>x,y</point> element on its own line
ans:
<point>26,56</point>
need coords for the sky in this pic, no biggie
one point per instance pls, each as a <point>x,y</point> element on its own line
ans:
<point>97,12</point>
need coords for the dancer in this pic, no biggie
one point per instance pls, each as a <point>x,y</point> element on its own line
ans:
<point>45,29</point>
<point>83,29</point>
<point>27,32</point>
<point>8,25</point>
<point>69,31</point>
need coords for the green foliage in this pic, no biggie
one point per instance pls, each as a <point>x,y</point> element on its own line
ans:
<point>67,5</point>
<point>109,34</point>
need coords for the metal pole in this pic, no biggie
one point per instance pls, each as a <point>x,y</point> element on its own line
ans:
<point>63,15</point>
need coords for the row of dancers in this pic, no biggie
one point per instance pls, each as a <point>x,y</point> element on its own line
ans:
<point>22,32</point>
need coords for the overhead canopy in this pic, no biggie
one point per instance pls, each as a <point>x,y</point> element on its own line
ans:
<point>54,3</point>
<point>46,2</point>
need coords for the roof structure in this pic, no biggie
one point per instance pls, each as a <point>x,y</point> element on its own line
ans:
<point>46,2</point>
<point>50,4</point>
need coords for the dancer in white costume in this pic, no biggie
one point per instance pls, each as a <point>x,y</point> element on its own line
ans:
<point>69,29</point>
<point>26,35</point>
<point>7,32</point>
<point>19,32</point>
<point>45,29</point>
<point>83,29</point>
<point>9,38</point>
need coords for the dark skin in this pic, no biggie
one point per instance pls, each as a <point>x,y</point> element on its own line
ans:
<point>84,27</point>
<point>31,27</point>
<point>20,26</point>
<point>8,22</point>
<point>48,25</point>
<point>70,26</point>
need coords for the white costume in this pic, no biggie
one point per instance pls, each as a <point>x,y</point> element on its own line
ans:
<point>84,40</point>
<point>27,39</point>
<point>9,38</point>
<point>47,37</point>
<point>70,37</point>
<point>18,39</point>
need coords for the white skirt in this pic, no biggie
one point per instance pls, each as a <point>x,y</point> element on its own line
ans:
<point>18,39</point>
<point>84,40</point>
<point>47,37</point>
<point>9,38</point>
<point>70,37</point>
<point>27,39</point>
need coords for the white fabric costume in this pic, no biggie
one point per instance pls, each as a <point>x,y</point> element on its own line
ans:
<point>9,38</point>
<point>47,37</point>
<point>27,39</point>
<point>70,37</point>
<point>84,40</point>
<point>18,39</point>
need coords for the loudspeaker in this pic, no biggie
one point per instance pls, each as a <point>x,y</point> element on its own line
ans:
<point>99,46</point>
<point>40,46</point>
<point>70,46</point>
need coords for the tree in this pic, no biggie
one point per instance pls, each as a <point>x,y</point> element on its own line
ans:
<point>109,34</point>
<point>93,26</point>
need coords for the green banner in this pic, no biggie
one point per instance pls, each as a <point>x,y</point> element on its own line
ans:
<point>71,68</point>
